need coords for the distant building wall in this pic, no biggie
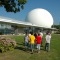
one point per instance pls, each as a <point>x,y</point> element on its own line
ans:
<point>9,29</point>
<point>5,28</point>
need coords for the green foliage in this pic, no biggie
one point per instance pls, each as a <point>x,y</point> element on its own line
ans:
<point>13,5</point>
<point>57,27</point>
<point>7,44</point>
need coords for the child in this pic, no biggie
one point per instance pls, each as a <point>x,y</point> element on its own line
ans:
<point>26,38</point>
<point>38,42</point>
<point>32,41</point>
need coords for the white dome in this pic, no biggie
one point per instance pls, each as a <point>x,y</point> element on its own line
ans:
<point>40,17</point>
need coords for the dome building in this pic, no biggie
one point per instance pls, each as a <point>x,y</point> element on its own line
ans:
<point>40,17</point>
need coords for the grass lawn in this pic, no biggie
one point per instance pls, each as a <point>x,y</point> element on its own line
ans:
<point>20,54</point>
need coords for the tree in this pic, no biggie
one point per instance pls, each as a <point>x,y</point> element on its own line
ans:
<point>57,27</point>
<point>13,5</point>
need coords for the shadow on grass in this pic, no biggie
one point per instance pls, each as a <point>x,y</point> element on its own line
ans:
<point>20,44</point>
<point>22,47</point>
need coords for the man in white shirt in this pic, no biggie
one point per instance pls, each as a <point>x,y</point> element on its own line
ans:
<point>47,45</point>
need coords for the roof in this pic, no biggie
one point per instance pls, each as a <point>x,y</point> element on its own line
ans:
<point>18,22</point>
<point>14,21</point>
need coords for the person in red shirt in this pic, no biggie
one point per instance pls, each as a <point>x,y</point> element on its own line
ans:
<point>38,42</point>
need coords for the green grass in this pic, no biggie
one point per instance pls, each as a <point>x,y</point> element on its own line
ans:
<point>21,54</point>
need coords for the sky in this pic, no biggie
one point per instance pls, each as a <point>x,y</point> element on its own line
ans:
<point>53,6</point>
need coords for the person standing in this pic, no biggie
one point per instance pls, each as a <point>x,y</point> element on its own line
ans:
<point>38,42</point>
<point>47,44</point>
<point>26,38</point>
<point>32,41</point>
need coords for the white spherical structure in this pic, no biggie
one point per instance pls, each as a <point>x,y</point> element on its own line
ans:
<point>40,17</point>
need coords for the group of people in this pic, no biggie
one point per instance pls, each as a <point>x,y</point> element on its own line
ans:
<point>35,40</point>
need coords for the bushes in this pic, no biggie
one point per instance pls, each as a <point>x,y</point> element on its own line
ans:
<point>7,44</point>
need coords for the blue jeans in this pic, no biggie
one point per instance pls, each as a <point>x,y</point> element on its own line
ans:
<point>26,44</point>
<point>32,47</point>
